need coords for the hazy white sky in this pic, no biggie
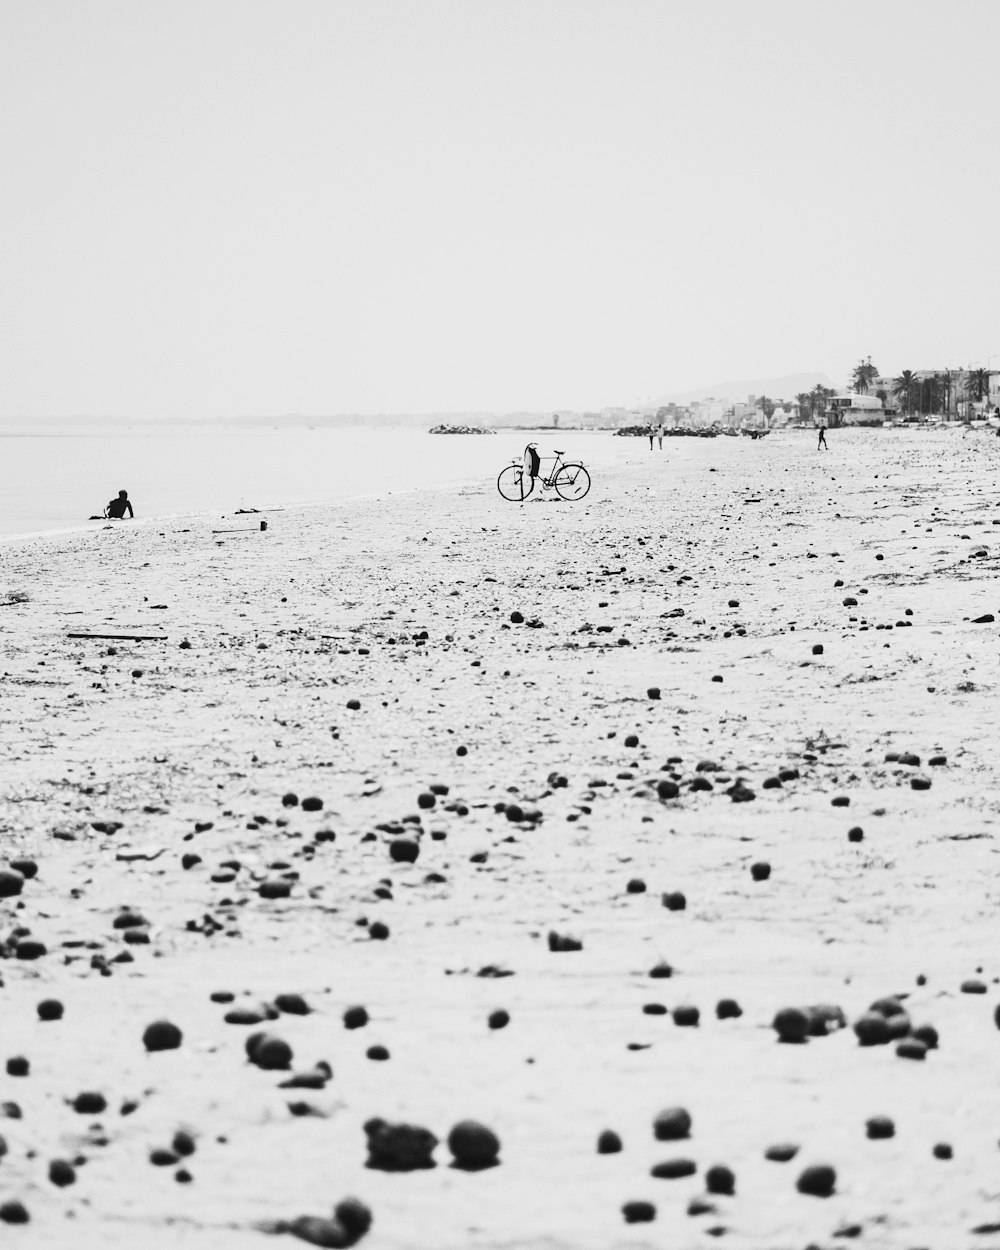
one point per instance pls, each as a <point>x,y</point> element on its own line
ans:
<point>266,206</point>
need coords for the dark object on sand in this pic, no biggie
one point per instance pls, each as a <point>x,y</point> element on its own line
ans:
<point>638,1212</point>
<point>399,1147</point>
<point>791,1024</point>
<point>162,1035</point>
<point>473,1146</point>
<point>672,1124</point>
<point>820,1180</point>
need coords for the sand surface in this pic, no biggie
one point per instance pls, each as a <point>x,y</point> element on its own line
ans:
<point>404,605</point>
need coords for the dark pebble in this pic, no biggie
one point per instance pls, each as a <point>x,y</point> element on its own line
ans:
<point>355,1018</point>
<point>920,783</point>
<point>89,1103</point>
<point>473,1145</point>
<point>636,886</point>
<point>50,1009</point>
<point>654,1009</point>
<point>292,1004</point>
<point>18,1065</point>
<point>825,1018</point>
<point>28,868</point>
<point>498,1019</point>
<point>879,1126</point>
<point>653,692</point>
<point>162,1035</point>
<point>378,931</point>
<point>720,1180</point>
<point>632,741</point>
<point>911,1048</point>
<point>162,1158</point>
<point>662,969</point>
<point>516,618</point>
<point>673,1169</point>
<point>942,1150</point>
<point>856,834</point>
<point>674,900</point>
<point>312,804</point>
<point>973,986</point>
<point>190,860</point>
<point>274,887</point>
<point>14,1213</point>
<point>817,649</point>
<point>820,1180</point>
<point>289,800</point>
<point>183,1143</point>
<point>760,871</point>
<point>426,800</point>
<point>399,1147</point>
<point>667,789</point>
<point>871,1029</point>
<point>61,1173</point>
<point>272,1053</point>
<point>354,704</point>
<point>244,1015</point>
<point>378,1053</point>
<point>927,1034</point>
<point>609,1143</point>
<point>672,1124</point>
<point>638,1212</point>
<point>561,942</point>
<point>782,1152</point>
<point>11,883</point>
<point>840,800</point>
<point>404,850</point>
<point>791,1024</point>
<point>686,1016</point>
<point>728,1009</point>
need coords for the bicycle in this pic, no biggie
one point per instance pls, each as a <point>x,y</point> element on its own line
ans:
<point>569,479</point>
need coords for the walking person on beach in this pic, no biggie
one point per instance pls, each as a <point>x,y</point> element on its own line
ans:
<point>116,508</point>
<point>659,435</point>
<point>822,439</point>
<point>652,434</point>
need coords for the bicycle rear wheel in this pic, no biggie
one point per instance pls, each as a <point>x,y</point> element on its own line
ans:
<point>572,481</point>
<point>514,484</point>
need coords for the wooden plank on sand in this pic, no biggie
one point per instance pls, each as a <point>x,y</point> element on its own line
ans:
<point>123,637</point>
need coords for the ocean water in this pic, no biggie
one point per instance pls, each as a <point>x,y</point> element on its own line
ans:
<point>54,478</point>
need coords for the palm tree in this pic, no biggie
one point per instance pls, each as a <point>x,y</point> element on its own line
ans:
<point>765,404</point>
<point>863,376</point>
<point>903,387</point>
<point>977,384</point>
<point>817,400</point>
<point>804,401</point>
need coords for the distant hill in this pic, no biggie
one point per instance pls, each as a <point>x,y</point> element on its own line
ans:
<point>786,387</point>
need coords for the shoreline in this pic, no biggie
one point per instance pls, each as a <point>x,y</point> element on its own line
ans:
<point>674,572</point>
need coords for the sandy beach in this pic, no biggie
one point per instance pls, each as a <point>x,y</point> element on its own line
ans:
<point>517,698</point>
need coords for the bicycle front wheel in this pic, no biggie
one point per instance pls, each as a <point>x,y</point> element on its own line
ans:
<point>514,484</point>
<point>572,481</point>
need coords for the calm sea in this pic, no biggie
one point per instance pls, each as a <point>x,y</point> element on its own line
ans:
<point>55,478</point>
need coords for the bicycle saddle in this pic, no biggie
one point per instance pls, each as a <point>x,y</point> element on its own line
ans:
<point>560,453</point>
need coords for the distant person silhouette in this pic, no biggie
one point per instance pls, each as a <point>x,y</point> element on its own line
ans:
<point>659,435</point>
<point>822,439</point>
<point>652,434</point>
<point>116,508</point>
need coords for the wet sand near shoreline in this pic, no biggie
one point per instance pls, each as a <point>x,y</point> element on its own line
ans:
<point>349,654</point>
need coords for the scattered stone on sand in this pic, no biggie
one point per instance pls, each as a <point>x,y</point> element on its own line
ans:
<point>404,850</point>
<point>377,1053</point>
<point>636,886</point>
<point>661,970</point>
<point>18,1065</point>
<point>313,1078</point>
<point>608,1142</point>
<point>879,1126</point>
<point>825,1018</point>
<point>740,792</point>
<point>498,1019</point>
<point>473,1145</point>
<point>720,1180</point>
<point>973,986</point>
<point>350,1221</point>
<point>269,1052</point>
<point>313,803</point>
<point>162,1035</point>
<point>14,1212</point>
<point>378,931</point>
<point>667,789</point>
<point>674,900</point>
<point>760,871</point>
<point>781,1152</point>
<point>275,887</point>
<point>638,1212</point>
<point>89,1103</point>
<point>942,1150</point>
<point>61,1173</point>
<point>399,1147</point>
<point>686,1015</point>
<point>11,883</point>
<point>728,1009</point>
<point>355,1017</point>
<point>673,1169</point>
<point>855,834</point>
<point>791,1024</point>
<point>872,1029</point>
<point>562,942</point>
<point>292,1004</point>
<point>672,1124</point>
<point>820,1180</point>
<point>911,1048</point>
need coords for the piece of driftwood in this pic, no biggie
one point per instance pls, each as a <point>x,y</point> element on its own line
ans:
<point>122,637</point>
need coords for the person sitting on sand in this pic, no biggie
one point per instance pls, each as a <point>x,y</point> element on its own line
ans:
<point>116,508</point>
